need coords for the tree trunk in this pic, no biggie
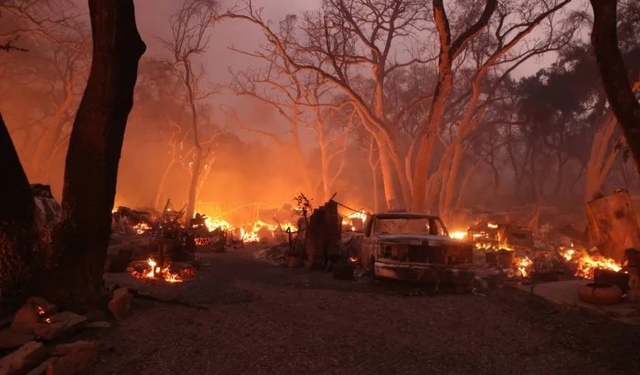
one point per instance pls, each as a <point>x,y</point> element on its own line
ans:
<point>196,171</point>
<point>392,193</point>
<point>601,158</point>
<point>163,181</point>
<point>16,220</point>
<point>373,164</point>
<point>614,74</point>
<point>82,236</point>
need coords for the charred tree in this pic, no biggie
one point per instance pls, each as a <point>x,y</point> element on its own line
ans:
<point>616,84</point>
<point>82,236</point>
<point>17,212</point>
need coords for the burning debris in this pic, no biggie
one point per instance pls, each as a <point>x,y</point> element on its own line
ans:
<point>151,270</point>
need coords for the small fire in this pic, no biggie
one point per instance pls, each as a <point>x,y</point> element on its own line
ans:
<point>347,221</point>
<point>154,271</point>
<point>458,235</point>
<point>524,266</point>
<point>588,263</point>
<point>40,310</point>
<point>353,259</point>
<point>141,228</point>
<point>492,225</point>
<point>48,320</point>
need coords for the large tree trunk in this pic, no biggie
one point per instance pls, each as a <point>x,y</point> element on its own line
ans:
<point>601,158</point>
<point>17,210</point>
<point>82,236</point>
<point>614,74</point>
<point>392,192</point>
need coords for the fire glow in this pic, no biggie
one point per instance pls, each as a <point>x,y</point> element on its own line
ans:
<point>251,232</point>
<point>458,235</point>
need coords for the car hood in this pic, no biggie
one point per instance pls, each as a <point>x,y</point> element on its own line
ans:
<point>411,239</point>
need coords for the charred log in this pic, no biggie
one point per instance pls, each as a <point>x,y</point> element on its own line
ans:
<point>82,236</point>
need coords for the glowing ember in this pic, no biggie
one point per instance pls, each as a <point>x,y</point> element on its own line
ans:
<point>458,235</point>
<point>353,259</point>
<point>153,271</point>
<point>48,320</point>
<point>141,228</point>
<point>40,311</point>
<point>492,226</point>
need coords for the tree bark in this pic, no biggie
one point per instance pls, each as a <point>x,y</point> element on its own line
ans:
<point>82,236</point>
<point>616,84</point>
<point>448,51</point>
<point>17,210</point>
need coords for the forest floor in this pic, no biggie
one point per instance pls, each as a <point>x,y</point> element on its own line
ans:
<point>263,319</point>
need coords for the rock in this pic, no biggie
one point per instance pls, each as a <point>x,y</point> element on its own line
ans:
<point>31,313</point>
<point>48,308</point>
<point>120,303</point>
<point>44,366</point>
<point>100,325</point>
<point>62,325</point>
<point>25,319</point>
<point>75,358</point>
<point>24,359</point>
<point>12,339</point>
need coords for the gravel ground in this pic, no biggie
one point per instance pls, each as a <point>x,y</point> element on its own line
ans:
<point>263,319</point>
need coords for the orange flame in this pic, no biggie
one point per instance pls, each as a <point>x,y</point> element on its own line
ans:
<point>250,232</point>
<point>524,266</point>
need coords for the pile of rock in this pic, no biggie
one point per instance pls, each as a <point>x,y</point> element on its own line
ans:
<point>39,339</point>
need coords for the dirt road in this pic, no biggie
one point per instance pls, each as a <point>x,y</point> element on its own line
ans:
<point>262,319</point>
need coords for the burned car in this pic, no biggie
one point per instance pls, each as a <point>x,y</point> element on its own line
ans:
<point>411,247</point>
